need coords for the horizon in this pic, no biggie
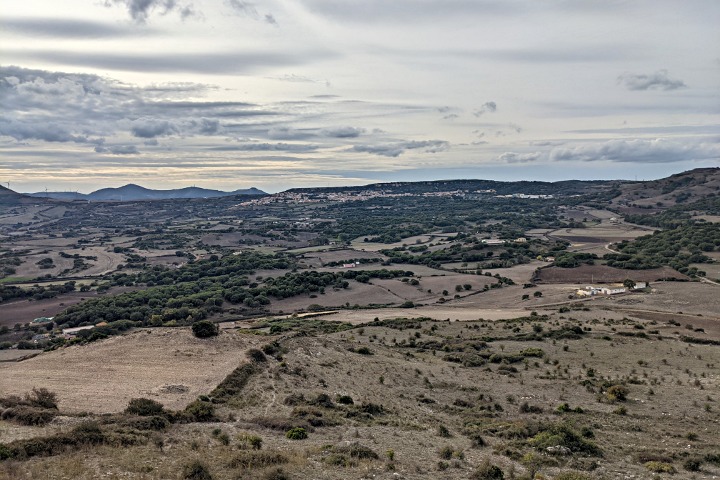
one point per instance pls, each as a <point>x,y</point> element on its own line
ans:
<point>228,94</point>
<point>355,185</point>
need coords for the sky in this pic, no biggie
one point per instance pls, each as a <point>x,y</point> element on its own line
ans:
<point>276,94</point>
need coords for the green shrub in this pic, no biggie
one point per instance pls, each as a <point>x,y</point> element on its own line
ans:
<point>560,434</point>
<point>205,329</point>
<point>297,433</point>
<point>144,407</point>
<point>201,411</point>
<point>5,452</point>
<point>344,399</point>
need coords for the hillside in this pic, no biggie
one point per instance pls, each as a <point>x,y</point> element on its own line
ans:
<point>685,187</point>
<point>10,197</point>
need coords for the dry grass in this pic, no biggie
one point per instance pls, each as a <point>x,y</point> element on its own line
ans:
<point>104,375</point>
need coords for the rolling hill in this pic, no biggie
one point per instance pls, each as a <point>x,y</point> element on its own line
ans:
<point>132,192</point>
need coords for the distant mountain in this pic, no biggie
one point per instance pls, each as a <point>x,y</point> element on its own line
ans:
<point>133,192</point>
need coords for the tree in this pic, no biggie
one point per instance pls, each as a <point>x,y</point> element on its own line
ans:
<point>205,329</point>
<point>629,284</point>
<point>537,294</point>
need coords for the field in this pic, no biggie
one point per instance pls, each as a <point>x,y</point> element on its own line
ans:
<point>168,365</point>
<point>588,274</point>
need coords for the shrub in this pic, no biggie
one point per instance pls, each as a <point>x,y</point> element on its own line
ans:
<point>256,355</point>
<point>443,431</point>
<point>344,400</point>
<point>487,471</point>
<point>201,411</point>
<point>5,452</point>
<point>692,464</point>
<point>196,470</point>
<point>660,467</point>
<point>144,407</point>
<point>42,397</point>
<point>297,433</point>
<point>205,329</point>
<point>617,393</point>
<point>560,434</point>
<point>155,422</point>
<point>355,450</point>
<point>569,475</point>
<point>31,416</point>
<point>249,460</point>
<point>446,452</point>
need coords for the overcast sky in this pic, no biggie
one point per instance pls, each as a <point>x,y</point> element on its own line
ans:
<point>276,94</point>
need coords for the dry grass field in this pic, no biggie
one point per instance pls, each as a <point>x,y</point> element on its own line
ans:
<point>101,377</point>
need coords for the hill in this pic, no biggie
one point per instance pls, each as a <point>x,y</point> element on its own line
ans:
<point>132,192</point>
<point>685,187</point>
<point>10,197</point>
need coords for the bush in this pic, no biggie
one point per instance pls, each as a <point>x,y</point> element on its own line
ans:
<point>487,471</point>
<point>201,411</point>
<point>344,400</point>
<point>660,467</point>
<point>31,416</point>
<point>5,452</point>
<point>42,397</point>
<point>692,464</point>
<point>560,434</point>
<point>249,460</point>
<point>196,470</point>
<point>569,475</point>
<point>205,329</point>
<point>297,433</point>
<point>617,393</point>
<point>144,407</point>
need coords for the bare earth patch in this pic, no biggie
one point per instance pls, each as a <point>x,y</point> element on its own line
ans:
<point>167,365</point>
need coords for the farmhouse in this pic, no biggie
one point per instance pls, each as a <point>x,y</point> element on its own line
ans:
<point>613,290</point>
<point>590,291</point>
<point>493,241</point>
<point>74,330</point>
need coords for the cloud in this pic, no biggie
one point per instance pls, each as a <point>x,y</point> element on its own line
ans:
<point>343,132</point>
<point>206,63</point>
<point>659,80</point>
<point>66,28</point>
<point>150,128</point>
<point>48,132</point>
<point>118,149</point>
<point>243,8</point>
<point>490,107</point>
<point>267,147</point>
<point>513,157</point>
<point>209,126</point>
<point>288,133</point>
<point>397,149</point>
<point>658,150</point>
<point>249,9</point>
<point>140,10</point>
<point>269,18</point>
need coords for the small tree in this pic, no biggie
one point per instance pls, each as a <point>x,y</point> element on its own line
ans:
<point>629,284</point>
<point>205,329</point>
